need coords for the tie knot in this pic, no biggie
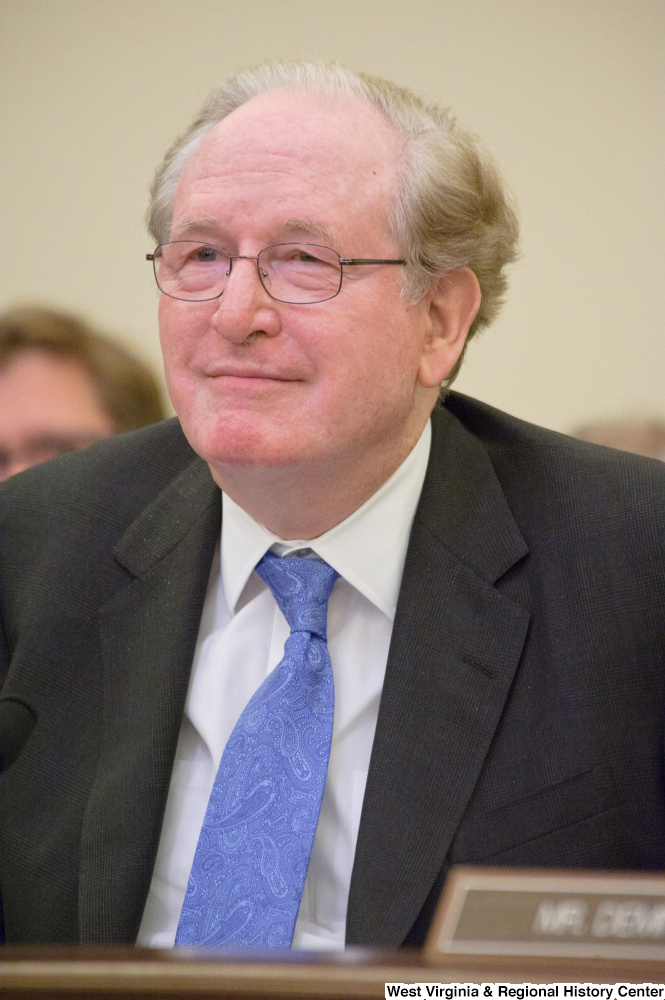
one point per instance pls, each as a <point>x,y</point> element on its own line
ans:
<point>301,588</point>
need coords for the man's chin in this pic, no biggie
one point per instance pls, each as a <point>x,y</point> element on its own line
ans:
<point>228,451</point>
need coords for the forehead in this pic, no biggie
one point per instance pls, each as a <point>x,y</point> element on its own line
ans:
<point>296,155</point>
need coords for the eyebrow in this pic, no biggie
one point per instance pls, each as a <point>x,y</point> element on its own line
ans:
<point>204,222</point>
<point>318,229</point>
<point>210,225</point>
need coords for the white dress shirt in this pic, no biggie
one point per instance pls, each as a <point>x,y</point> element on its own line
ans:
<point>241,639</point>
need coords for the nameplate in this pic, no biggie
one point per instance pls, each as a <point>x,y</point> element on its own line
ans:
<point>572,914</point>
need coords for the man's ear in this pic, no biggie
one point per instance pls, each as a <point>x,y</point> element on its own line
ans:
<point>454,300</point>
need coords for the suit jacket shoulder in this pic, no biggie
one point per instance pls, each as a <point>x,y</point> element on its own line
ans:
<point>602,506</point>
<point>519,450</point>
<point>97,490</point>
<point>66,516</point>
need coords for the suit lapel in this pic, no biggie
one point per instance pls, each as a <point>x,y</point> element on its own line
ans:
<point>148,634</point>
<point>455,647</point>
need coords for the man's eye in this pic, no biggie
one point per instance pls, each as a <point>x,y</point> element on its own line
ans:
<point>206,255</point>
<point>306,258</point>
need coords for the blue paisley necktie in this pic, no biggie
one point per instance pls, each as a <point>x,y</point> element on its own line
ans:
<point>254,848</point>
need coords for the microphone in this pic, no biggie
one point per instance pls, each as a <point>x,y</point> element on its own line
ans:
<point>17,720</point>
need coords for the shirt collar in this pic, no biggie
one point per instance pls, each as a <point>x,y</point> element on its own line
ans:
<point>367,549</point>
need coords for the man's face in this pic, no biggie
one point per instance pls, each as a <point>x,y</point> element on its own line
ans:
<point>48,405</point>
<point>327,386</point>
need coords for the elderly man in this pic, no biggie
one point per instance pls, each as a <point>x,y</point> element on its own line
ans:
<point>428,634</point>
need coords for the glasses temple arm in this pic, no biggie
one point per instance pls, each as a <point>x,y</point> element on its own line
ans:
<point>359,260</point>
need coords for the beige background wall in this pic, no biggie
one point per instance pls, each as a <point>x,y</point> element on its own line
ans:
<point>568,94</point>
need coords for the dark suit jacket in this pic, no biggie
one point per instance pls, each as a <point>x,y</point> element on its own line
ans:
<point>521,721</point>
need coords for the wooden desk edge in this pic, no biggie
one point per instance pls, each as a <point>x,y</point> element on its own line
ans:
<point>352,980</point>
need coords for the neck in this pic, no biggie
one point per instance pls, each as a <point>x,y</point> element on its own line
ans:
<point>303,502</point>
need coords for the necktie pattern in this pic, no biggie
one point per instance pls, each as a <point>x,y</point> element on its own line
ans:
<point>254,848</point>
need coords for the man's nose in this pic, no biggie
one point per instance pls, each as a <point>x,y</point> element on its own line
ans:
<point>244,306</point>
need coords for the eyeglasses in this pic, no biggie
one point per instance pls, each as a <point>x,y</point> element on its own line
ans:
<point>298,273</point>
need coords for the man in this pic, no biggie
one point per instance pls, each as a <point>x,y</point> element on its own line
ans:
<point>63,387</point>
<point>326,246</point>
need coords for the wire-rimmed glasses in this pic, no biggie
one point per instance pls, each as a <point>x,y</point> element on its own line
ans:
<point>297,273</point>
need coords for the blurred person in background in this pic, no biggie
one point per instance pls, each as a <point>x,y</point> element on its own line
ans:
<point>63,386</point>
<point>641,437</point>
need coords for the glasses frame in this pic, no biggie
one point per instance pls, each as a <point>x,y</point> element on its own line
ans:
<point>355,261</point>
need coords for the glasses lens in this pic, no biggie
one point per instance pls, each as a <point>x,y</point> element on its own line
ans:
<point>300,272</point>
<point>193,271</point>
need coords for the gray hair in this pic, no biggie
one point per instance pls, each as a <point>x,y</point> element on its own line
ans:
<point>451,210</point>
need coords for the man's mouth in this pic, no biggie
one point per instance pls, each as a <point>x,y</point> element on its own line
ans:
<point>243,372</point>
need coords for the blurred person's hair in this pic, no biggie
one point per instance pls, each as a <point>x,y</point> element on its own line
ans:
<point>452,209</point>
<point>126,388</point>
<point>641,436</point>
